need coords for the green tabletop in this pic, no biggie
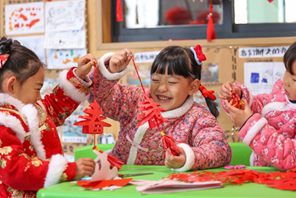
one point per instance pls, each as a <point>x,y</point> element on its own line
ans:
<point>71,190</point>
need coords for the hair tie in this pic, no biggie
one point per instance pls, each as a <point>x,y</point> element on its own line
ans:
<point>198,54</point>
<point>4,51</point>
<point>207,93</point>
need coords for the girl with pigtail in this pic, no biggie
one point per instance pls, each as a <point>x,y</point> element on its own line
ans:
<point>175,78</point>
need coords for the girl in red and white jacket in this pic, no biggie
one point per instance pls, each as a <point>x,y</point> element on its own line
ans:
<point>268,121</point>
<point>31,155</point>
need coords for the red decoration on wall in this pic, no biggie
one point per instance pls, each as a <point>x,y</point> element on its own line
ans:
<point>211,34</point>
<point>119,16</point>
<point>270,1</point>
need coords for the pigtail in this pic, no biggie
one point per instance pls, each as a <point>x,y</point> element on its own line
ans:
<point>209,95</point>
<point>210,98</point>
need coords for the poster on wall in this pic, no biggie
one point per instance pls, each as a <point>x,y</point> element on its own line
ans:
<point>34,43</point>
<point>210,73</point>
<point>24,18</point>
<point>260,77</point>
<point>61,59</point>
<point>74,39</point>
<point>65,15</point>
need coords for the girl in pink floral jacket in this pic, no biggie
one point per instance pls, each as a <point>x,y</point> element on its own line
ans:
<point>268,120</point>
<point>175,75</point>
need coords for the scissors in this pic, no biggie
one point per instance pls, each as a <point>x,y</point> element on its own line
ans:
<point>134,174</point>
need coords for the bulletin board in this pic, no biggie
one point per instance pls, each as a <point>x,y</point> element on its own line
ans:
<point>221,53</point>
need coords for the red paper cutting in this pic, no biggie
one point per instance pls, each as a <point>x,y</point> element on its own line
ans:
<point>93,120</point>
<point>279,180</point>
<point>235,101</point>
<point>104,183</point>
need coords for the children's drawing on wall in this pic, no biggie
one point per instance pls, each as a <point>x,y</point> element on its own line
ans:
<point>259,77</point>
<point>73,133</point>
<point>209,73</point>
<point>24,18</point>
<point>73,39</point>
<point>34,43</point>
<point>65,25</point>
<point>64,15</point>
<point>60,59</point>
<point>132,78</point>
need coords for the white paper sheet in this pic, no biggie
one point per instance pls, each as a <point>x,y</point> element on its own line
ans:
<point>34,43</point>
<point>24,18</point>
<point>74,39</point>
<point>65,15</point>
<point>60,59</point>
<point>260,77</point>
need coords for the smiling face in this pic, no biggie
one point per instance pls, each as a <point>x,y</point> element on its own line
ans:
<point>171,91</point>
<point>290,82</point>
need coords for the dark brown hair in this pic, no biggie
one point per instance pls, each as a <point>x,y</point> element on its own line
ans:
<point>22,62</point>
<point>179,60</point>
<point>290,57</point>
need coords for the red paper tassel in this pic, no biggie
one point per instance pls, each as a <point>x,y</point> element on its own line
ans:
<point>211,34</point>
<point>114,162</point>
<point>119,17</point>
<point>169,143</point>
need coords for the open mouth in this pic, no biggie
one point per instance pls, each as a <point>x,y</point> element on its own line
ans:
<point>162,98</point>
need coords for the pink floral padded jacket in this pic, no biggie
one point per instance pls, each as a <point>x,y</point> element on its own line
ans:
<point>191,125</point>
<point>270,131</point>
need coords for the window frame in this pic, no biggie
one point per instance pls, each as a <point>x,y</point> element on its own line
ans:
<point>226,30</point>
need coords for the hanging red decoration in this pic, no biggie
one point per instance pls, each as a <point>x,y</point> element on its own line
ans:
<point>270,1</point>
<point>169,143</point>
<point>93,120</point>
<point>151,113</point>
<point>119,15</point>
<point>211,34</point>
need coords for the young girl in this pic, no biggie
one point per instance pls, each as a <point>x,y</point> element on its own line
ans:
<point>175,76</point>
<point>268,120</point>
<point>31,155</point>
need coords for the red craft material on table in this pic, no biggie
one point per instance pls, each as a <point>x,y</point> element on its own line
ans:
<point>279,180</point>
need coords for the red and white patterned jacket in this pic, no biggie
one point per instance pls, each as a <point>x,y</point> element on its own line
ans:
<point>31,155</point>
<point>270,131</point>
<point>191,125</point>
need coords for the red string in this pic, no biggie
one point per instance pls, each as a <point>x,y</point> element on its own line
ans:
<point>137,71</point>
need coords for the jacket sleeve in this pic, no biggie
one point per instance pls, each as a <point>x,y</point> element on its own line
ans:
<point>117,101</point>
<point>66,97</point>
<point>208,147</point>
<point>24,172</point>
<point>274,148</point>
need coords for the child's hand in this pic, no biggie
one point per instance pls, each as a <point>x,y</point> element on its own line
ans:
<point>84,167</point>
<point>85,63</point>
<point>172,161</point>
<point>120,60</point>
<point>239,116</point>
<point>228,89</point>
